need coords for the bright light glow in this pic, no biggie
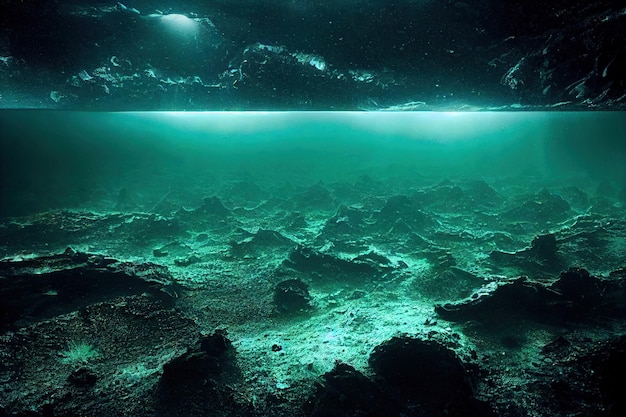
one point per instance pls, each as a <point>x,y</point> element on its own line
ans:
<point>179,25</point>
<point>437,127</point>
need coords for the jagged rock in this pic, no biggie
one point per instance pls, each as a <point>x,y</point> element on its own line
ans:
<point>133,335</point>
<point>345,222</point>
<point>428,376</point>
<point>305,259</point>
<point>607,363</point>
<point>125,200</point>
<point>448,283</point>
<point>260,241</point>
<point>210,213</point>
<point>83,377</point>
<point>482,194</point>
<point>541,257</point>
<point>421,369</point>
<point>292,296</point>
<point>560,347</point>
<point>212,355</point>
<point>296,221</point>
<point>317,196</point>
<point>575,296</point>
<point>585,291</point>
<point>347,392</point>
<point>48,286</point>
<point>403,208</point>
<point>543,207</point>
<point>197,382</point>
<point>446,194</point>
<point>212,206</point>
<point>187,260</point>
<point>577,198</point>
<point>544,247</point>
<point>145,228</point>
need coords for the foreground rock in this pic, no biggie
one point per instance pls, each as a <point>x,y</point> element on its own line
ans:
<point>44,287</point>
<point>575,296</point>
<point>413,378</point>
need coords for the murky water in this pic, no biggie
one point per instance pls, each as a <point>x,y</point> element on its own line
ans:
<point>90,160</point>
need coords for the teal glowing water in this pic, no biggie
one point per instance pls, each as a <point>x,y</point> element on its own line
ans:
<point>82,160</point>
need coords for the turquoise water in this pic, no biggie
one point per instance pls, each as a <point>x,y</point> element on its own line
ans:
<point>82,160</point>
<point>311,238</point>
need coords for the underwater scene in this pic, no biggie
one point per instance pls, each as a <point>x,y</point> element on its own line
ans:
<point>312,264</point>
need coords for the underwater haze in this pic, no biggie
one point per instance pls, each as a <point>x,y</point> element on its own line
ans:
<point>86,160</point>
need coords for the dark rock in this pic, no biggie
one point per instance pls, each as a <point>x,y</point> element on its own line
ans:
<point>446,194</point>
<point>442,261</point>
<point>202,237</point>
<point>576,197</point>
<point>585,291</point>
<point>575,296</point>
<point>145,228</point>
<point>502,303</point>
<point>559,347</point>
<point>159,253</point>
<point>375,259</point>
<point>406,209</point>
<point>305,259</point>
<point>345,222</point>
<point>210,213</point>
<point>449,284</point>
<point>61,226</point>
<point>540,258</point>
<point>544,247</point>
<point>83,377</point>
<point>188,260</point>
<point>292,296</point>
<point>543,207</point>
<point>197,382</point>
<point>49,286</point>
<point>261,240</point>
<point>620,274</point>
<point>421,369</point>
<point>608,365</point>
<point>402,231</point>
<point>347,392</point>
<point>317,196</point>
<point>125,330</point>
<point>125,200</point>
<point>482,194</point>
<point>357,294</point>
<point>210,357</point>
<point>212,206</point>
<point>296,221</point>
<point>429,377</point>
<point>585,377</point>
<point>265,237</point>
